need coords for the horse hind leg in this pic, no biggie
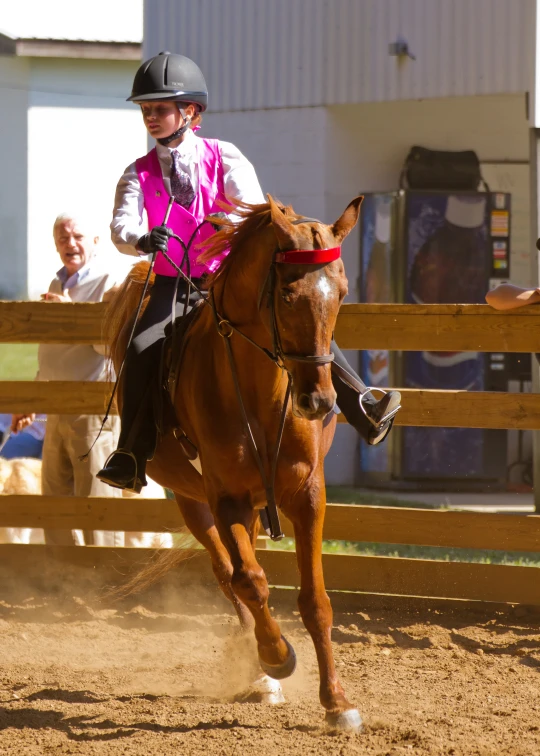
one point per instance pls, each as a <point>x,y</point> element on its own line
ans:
<point>198,518</point>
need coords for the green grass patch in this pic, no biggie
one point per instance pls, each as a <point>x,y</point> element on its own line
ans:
<point>348,495</point>
<point>18,362</point>
<point>438,553</point>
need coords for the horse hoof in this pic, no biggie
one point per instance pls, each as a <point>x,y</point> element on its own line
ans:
<point>281,671</point>
<point>345,721</point>
<point>263,690</point>
<point>267,690</point>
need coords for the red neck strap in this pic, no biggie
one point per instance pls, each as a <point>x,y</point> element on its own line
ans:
<point>309,256</point>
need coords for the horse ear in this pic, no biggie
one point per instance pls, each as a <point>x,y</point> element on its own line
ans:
<point>344,225</point>
<point>285,231</point>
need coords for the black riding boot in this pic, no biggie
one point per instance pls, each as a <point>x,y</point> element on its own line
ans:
<point>372,418</point>
<point>125,468</point>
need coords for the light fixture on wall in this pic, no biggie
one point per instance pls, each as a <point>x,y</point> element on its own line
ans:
<point>400,49</point>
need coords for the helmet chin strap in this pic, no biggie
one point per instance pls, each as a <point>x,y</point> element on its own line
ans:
<point>178,133</point>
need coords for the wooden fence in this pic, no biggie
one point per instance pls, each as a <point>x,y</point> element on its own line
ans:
<point>404,327</point>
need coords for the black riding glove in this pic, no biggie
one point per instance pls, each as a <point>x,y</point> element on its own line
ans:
<point>156,240</point>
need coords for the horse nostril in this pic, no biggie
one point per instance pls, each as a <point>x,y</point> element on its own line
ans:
<point>308,403</point>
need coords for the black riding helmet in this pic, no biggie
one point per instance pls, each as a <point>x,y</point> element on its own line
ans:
<point>168,76</point>
<point>172,77</point>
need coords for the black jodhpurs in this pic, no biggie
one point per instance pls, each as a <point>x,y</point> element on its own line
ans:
<point>138,433</point>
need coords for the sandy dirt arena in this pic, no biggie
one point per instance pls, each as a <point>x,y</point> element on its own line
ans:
<point>159,675</point>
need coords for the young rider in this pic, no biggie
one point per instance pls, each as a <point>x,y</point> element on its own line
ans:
<point>200,174</point>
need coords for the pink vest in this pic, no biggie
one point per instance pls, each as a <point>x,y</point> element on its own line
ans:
<point>184,222</point>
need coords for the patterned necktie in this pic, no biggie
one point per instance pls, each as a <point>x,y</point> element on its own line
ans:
<point>181,186</point>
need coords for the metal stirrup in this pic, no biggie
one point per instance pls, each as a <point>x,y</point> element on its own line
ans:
<point>384,419</point>
<point>125,453</point>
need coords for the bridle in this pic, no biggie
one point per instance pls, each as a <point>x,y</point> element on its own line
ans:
<point>294,257</point>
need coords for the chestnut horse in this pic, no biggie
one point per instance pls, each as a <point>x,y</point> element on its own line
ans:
<point>221,506</point>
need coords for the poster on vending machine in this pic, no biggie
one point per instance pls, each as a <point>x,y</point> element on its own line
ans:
<point>447,247</point>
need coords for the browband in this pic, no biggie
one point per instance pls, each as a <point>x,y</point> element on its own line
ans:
<point>309,256</point>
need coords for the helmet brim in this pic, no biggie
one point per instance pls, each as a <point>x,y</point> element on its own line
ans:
<point>181,96</point>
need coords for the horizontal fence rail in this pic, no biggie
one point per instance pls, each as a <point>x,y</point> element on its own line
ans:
<point>343,522</point>
<point>420,407</point>
<point>438,328</point>
<point>360,326</point>
<point>344,572</point>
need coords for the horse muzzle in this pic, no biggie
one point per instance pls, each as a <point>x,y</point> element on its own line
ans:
<point>314,405</point>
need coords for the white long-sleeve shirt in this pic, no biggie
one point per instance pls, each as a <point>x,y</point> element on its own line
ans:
<point>129,219</point>
<point>78,362</point>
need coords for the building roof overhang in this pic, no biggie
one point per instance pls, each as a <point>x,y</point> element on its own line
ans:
<point>68,48</point>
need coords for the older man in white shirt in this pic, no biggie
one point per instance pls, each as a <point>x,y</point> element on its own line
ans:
<point>83,277</point>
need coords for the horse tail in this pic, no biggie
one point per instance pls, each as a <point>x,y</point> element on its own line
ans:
<point>161,562</point>
<point>123,304</point>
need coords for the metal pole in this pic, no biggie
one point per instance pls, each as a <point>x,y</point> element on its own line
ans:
<point>534,156</point>
<point>535,278</point>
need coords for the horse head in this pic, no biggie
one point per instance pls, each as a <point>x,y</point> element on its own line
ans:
<point>307,286</point>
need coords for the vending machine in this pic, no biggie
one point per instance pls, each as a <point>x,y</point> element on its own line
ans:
<point>433,247</point>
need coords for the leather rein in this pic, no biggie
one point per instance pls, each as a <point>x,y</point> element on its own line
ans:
<point>270,515</point>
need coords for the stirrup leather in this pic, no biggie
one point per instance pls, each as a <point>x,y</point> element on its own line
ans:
<point>384,419</point>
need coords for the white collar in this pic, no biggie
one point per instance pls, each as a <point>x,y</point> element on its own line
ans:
<point>186,148</point>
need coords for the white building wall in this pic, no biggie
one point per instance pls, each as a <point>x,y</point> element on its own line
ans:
<point>13,160</point>
<point>286,53</point>
<point>81,136</point>
<point>286,147</point>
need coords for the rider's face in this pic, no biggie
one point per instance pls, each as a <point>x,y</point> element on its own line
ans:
<point>161,118</point>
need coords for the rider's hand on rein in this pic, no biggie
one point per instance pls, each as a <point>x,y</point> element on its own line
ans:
<point>156,240</point>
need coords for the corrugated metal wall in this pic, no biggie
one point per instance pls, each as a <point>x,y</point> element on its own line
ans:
<point>286,53</point>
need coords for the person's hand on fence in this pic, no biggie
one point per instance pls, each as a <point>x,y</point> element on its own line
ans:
<point>51,297</point>
<point>19,422</point>
<point>507,296</point>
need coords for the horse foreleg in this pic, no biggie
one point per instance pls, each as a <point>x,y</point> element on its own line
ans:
<point>235,521</point>
<point>200,521</point>
<point>307,515</point>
